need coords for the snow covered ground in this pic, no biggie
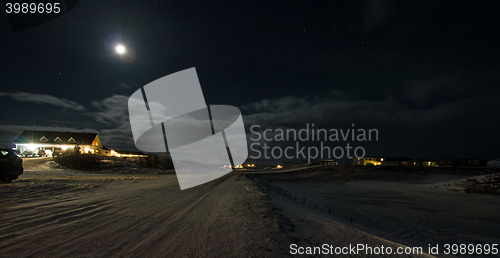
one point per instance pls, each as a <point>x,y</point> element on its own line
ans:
<point>54,212</point>
<point>412,209</point>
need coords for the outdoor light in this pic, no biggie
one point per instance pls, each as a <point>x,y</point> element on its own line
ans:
<point>32,147</point>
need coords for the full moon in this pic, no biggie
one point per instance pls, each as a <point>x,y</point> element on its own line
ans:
<point>120,49</point>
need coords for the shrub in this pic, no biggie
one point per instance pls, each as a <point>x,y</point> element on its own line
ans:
<point>78,161</point>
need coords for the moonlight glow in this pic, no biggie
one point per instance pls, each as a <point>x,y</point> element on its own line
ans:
<point>120,49</point>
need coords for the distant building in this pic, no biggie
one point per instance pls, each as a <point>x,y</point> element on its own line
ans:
<point>429,163</point>
<point>368,161</point>
<point>467,162</point>
<point>449,162</point>
<point>390,161</point>
<point>474,162</point>
<point>393,161</point>
<point>324,162</point>
<point>249,165</point>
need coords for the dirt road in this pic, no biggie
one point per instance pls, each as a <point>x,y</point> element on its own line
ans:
<point>52,212</point>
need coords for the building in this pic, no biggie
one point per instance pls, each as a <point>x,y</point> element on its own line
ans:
<point>474,162</point>
<point>429,163</point>
<point>128,154</point>
<point>54,142</point>
<point>248,165</point>
<point>323,162</point>
<point>466,162</point>
<point>449,162</point>
<point>390,161</point>
<point>51,142</point>
<point>422,162</point>
<point>368,161</point>
<point>393,161</point>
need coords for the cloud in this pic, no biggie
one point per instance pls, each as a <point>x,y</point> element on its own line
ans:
<point>424,91</point>
<point>455,126</point>
<point>124,85</point>
<point>329,108</point>
<point>112,111</point>
<point>111,122</point>
<point>43,99</point>
<point>113,114</point>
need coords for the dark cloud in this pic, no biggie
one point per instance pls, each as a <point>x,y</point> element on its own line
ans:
<point>111,111</point>
<point>26,97</point>
<point>112,116</point>
<point>404,129</point>
<point>124,85</point>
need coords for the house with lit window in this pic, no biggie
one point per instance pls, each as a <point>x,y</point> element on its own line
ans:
<point>393,161</point>
<point>128,154</point>
<point>53,142</point>
<point>50,142</point>
<point>368,161</point>
<point>324,162</point>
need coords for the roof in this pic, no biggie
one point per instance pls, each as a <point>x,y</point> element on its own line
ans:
<point>41,137</point>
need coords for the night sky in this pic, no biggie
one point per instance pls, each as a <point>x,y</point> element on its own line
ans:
<point>424,73</point>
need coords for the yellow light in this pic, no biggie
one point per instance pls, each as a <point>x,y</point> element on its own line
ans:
<point>382,159</point>
<point>32,147</point>
<point>279,166</point>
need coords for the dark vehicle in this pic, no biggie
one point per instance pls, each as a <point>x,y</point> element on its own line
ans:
<point>27,153</point>
<point>11,166</point>
<point>42,153</point>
